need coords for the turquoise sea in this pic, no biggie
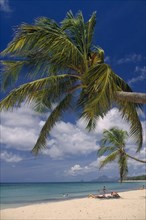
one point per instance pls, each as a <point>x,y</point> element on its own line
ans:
<point>19,194</point>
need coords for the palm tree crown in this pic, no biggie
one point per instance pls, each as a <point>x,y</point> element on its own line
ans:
<point>113,145</point>
<point>65,62</point>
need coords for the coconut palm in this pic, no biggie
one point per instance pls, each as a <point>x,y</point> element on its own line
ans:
<point>64,70</point>
<point>113,145</point>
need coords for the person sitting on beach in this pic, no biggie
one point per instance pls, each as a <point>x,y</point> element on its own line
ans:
<point>115,194</point>
<point>112,195</point>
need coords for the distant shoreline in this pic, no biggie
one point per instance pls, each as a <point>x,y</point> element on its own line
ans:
<point>126,181</point>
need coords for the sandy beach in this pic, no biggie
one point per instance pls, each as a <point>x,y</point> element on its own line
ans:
<point>130,206</point>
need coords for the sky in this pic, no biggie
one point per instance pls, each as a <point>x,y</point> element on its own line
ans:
<point>71,153</point>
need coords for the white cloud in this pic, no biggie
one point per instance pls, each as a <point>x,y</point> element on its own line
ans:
<point>111,169</point>
<point>131,58</point>
<point>91,167</point>
<point>70,139</point>
<point>20,128</point>
<point>74,139</point>
<point>141,72</point>
<point>10,157</point>
<point>74,169</point>
<point>4,6</point>
<point>77,170</point>
<point>112,119</point>
<point>53,152</point>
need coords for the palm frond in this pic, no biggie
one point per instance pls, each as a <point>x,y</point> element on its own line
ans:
<point>105,149</point>
<point>52,119</point>
<point>76,30</point>
<point>85,113</point>
<point>97,97</point>
<point>102,84</point>
<point>114,136</point>
<point>40,102</point>
<point>129,113</point>
<point>89,115</point>
<point>90,25</point>
<point>52,95</point>
<point>10,72</point>
<point>38,89</point>
<point>96,56</point>
<point>39,64</point>
<point>65,56</point>
<point>51,40</point>
<point>110,158</point>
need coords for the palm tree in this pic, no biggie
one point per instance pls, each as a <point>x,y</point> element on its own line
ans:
<point>113,144</point>
<point>64,68</point>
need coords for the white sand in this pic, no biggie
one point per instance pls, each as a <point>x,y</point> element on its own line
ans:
<point>130,206</point>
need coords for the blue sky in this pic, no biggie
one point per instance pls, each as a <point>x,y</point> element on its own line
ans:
<point>71,152</point>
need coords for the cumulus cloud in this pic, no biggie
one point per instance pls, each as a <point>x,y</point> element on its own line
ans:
<point>10,157</point>
<point>75,169</point>
<point>141,72</point>
<point>78,170</point>
<point>111,169</point>
<point>91,167</point>
<point>4,6</point>
<point>74,139</point>
<point>135,168</point>
<point>20,128</point>
<point>70,139</point>
<point>131,58</point>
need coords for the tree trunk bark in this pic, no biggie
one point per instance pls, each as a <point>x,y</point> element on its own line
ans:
<point>131,97</point>
<point>142,161</point>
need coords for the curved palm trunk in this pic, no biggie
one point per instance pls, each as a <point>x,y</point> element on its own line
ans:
<point>131,97</point>
<point>142,161</point>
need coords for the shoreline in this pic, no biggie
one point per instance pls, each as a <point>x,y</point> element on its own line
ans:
<point>134,181</point>
<point>132,202</point>
<point>4,206</point>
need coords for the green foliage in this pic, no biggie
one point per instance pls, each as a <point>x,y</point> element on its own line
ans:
<point>110,158</point>
<point>123,167</point>
<point>113,145</point>
<point>114,136</point>
<point>52,119</point>
<point>61,61</point>
<point>142,177</point>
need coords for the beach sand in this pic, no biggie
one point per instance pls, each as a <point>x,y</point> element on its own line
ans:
<point>130,206</point>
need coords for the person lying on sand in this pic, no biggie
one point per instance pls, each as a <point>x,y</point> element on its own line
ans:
<point>96,196</point>
<point>113,195</point>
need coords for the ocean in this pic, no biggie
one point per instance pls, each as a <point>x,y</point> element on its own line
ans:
<point>19,194</point>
